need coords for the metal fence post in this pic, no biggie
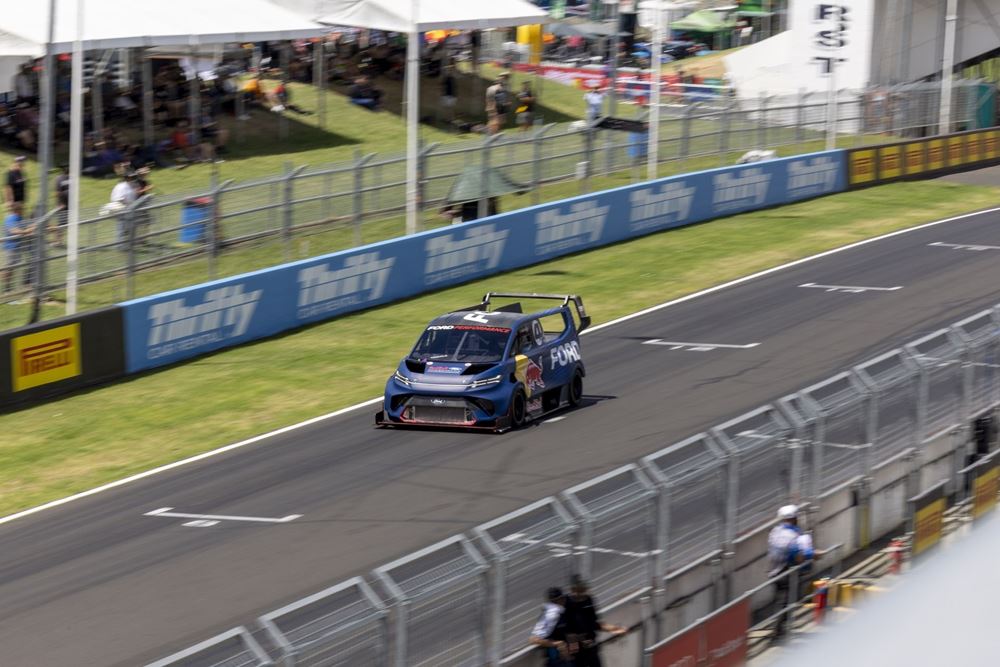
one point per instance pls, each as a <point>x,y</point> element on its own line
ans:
<point>485,175</point>
<point>495,622</point>
<point>724,131</point>
<point>762,126</point>
<point>215,239</point>
<point>288,206</point>
<point>800,113</point>
<point>358,198</point>
<point>38,279</point>
<point>129,216</point>
<point>686,130</point>
<point>588,158</point>
<point>422,159</point>
<point>538,144</point>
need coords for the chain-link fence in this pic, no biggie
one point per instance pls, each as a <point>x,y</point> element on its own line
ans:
<point>173,240</point>
<point>698,508</point>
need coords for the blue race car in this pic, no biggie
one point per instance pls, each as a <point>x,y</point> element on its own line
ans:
<point>490,368</point>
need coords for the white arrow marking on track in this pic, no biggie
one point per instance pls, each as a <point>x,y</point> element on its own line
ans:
<point>851,289</point>
<point>975,247</point>
<point>697,347</point>
<point>165,511</point>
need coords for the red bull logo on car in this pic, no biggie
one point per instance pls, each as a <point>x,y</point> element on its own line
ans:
<point>533,380</point>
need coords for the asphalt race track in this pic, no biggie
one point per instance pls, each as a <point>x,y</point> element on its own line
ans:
<point>98,582</point>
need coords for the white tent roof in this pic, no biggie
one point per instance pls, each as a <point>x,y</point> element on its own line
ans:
<point>110,24</point>
<point>396,15</point>
<point>12,45</point>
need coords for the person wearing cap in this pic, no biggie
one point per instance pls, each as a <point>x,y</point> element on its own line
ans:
<point>497,103</point>
<point>583,624</point>
<point>16,185</point>
<point>549,631</point>
<point>787,547</point>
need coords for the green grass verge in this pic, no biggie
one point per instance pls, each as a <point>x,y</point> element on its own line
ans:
<point>69,445</point>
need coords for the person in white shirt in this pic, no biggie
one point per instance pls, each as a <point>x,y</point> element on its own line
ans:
<point>549,631</point>
<point>123,195</point>
<point>594,99</point>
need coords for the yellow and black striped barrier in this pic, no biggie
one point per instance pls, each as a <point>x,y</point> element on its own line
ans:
<point>922,158</point>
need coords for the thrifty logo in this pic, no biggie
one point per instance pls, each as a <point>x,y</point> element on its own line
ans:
<point>809,178</point>
<point>663,206</point>
<point>225,312</point>
<point>362,279</point>
<point>45,357</point>
<point>450,257</point>
<point>581,225</point>
<point>747,188</point>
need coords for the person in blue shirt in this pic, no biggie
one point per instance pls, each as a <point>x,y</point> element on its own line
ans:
<point>16,245</point>
<point>787,547</point>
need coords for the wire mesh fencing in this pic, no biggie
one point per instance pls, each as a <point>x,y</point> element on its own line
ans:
<point>233,226</point>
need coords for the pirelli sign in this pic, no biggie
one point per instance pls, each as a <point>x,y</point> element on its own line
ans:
<point>916,158</point>
<point>50,358</point>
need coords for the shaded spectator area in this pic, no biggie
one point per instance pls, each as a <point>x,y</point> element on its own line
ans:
<point>167,110</point>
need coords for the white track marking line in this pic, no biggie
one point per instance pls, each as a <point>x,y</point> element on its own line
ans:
<point>201,523</point>
<point>697,347</point>
<point>851,289</point>
<point>373,401</point>
<point>554,419</point>
<point>165,511</point>
<point>964,246</point>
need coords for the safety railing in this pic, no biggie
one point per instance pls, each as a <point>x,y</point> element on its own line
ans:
<point>228,226</point>
<point>343,626</point>
<point>234,648</point>
<point>687,523</point>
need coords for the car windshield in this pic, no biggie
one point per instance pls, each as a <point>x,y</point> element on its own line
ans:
<point>474,344</point>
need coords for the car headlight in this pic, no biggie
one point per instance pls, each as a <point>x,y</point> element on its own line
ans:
<point>401,379</point>
<point>485,383</point>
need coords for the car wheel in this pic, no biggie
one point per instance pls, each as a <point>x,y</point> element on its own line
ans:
<point>518,409</point>
<point>575,393</point>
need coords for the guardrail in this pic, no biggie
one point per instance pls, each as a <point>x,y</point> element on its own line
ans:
<point>886,445</point>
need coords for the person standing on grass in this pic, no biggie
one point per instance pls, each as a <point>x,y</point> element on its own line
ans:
<point>16,184</point>
<point>16,244</point>
<point>525,107</point>
<point>497,103</point>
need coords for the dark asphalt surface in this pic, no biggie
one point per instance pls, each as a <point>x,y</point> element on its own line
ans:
<point>95,582</point>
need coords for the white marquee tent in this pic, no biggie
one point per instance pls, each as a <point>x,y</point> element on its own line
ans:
<point>113,24</point>
<point>14,50</point>
<point>414,17</point>
<point>83,25</point>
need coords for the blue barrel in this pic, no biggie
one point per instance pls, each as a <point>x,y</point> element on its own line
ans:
<point>638,144</point>
<point>195,213</point>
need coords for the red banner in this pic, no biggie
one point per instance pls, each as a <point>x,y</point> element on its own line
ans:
<point>681,652</point>
<point>718,641</point>
<point>726,636</point>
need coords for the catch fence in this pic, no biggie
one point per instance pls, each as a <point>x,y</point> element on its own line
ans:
<point>641,531</point>
<point>172,240</point>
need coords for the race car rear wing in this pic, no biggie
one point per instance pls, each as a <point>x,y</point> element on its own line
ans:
<point>577,301</point>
